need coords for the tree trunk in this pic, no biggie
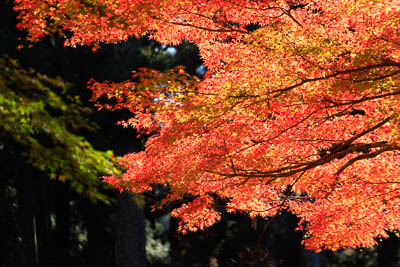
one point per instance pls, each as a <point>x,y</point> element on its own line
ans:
<point>26,219</point>
<point>62,210</point>
<point>130,247</point>
<point>389,252</point>
<point>311,259</point>
<point>42,211</point>
<point>100,242</point>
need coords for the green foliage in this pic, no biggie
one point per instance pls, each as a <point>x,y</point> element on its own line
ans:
<point>40,121</point>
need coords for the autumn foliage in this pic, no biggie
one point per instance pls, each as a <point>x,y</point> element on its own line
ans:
<point>298,110</point>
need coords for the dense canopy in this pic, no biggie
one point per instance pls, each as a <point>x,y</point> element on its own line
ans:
<point>298,110</point>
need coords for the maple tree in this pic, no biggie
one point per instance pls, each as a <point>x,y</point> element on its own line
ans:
<point>298,109</point>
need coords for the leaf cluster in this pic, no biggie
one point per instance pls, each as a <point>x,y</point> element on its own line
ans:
<point>39,121</point>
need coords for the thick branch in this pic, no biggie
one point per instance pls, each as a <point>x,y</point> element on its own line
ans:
<point>339,152</point>
<point>367,156</point>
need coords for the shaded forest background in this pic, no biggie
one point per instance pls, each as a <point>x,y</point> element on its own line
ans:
<point>55,211</point>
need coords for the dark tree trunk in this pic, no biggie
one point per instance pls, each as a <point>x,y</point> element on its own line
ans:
<point>130,230</point>
<point>130,247</point>
<point>26,219</point>
<point>43,216</point>
<point>62,211</point>
<point>311,259</point>
<point>100,244</point>
<point>389,252</point>
<point>10,245</point>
